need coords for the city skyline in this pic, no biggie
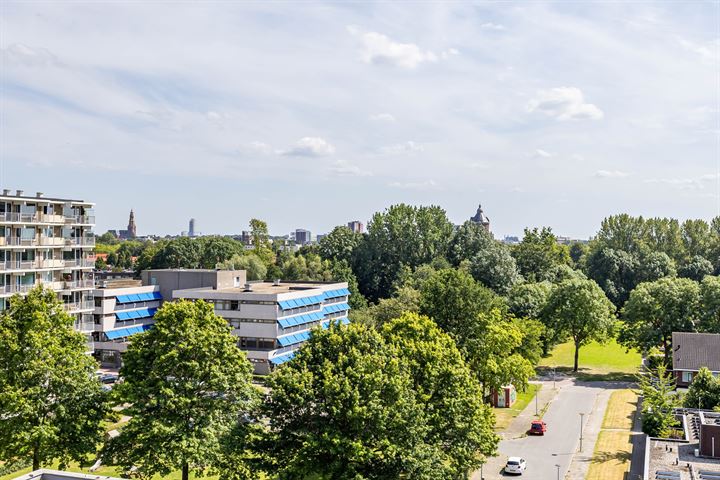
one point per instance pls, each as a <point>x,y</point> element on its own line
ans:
<point>549,114</point>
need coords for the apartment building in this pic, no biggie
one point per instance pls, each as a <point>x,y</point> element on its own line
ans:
<point>123,308</point>
<point>48,241</point>
<point>271,319</point>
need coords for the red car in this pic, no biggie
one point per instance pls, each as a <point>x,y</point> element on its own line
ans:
<point>537,427</point>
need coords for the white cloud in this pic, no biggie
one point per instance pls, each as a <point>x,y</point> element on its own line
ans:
<point>564,103</point>
<point>260,147</point>
<point>311,147</point>
<point>408,147</point>
<point>342,168</point>
<point>383,117</point>
<point>380,49</point>
<point>697,183</point>
<point>542,153</point>
<point>611,174</point>
<point>426,185</point>
<point>20,54</point>
<point>492,26</point>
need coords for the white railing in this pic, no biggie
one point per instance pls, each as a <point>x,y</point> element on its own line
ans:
<point>84,283</point>
<point>17,288</point>
<point>37,217</point>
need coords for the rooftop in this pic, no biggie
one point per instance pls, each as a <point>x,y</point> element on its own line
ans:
<point>38,197</point>
<point>691,351</point>
<point>45,474</point>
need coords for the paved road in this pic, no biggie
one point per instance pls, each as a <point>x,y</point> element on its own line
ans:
<point>559,443</point>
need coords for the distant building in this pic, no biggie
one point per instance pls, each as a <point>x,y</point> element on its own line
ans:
<point>481,219</point>
<point>191,228</point>
<point>46,474</point>
<point>356,226</point>
<point>302,237</point>
<point>131,231</point>
<point>320,236</point>
<point>246,237</point>
<point>511,240</point>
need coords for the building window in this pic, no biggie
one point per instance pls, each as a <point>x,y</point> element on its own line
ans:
<point>687,377</point>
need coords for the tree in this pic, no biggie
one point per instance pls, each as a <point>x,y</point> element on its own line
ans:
<point>51,403</point>
<point>704,391</point>
<point>467,241</point>
<point>538,253</point>
<point>360,403</point>
<point>214,250</point>
<point>696,268</point>
<point>659,400</point>
<point>710,305</point>
<point>405,300</point>
<point>188,384</point>
<point>401,236</point>
<point>580,310</point>
<point>454,299</point>
<point>261,241</point>
<point>341,272</point>
<point>100,263</point>
<point>654,266</point>
<point>578,251</point>
<point>340,244</point>
<point>495,268</point>
<point>182,252</point>
<point>528,300</point>
<point>251,263</point>
<point>615,271</point>
<point>656,309</point>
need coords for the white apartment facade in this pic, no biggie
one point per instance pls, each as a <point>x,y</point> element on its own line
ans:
<point>48,241</point>
<point>121,312</point>
<point>273,319</point>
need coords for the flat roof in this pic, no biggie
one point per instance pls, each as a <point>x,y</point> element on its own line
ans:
<point>47,474</point>
<point>265,289</point>
<point>43,199</point>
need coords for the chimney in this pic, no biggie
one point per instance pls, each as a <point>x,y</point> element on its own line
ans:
<point>19,193</point>
<point>6,191</point>
<point>276,283</point>
<point>39,194</point>
<point>248,287</point>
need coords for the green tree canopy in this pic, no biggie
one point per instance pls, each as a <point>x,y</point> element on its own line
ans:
<point>656,309</point>
<point>659,400</point>
<point>214,250</point>
<point>495,268</point>
<point>467,241</point>
<point>401,236</point>
<point>710,304</point>
<point>359,403</point>
<point>188,384</point>
<point>580,310</point>
<point>696,268</point>
<point>340,244</point>
<point>51,403</point>
<point>538,253</point>
<point>252,264</point>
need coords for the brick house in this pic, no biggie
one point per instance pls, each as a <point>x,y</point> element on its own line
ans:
<point>691,352</point>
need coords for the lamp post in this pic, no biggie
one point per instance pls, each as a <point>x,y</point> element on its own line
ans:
<point>536,400</point>
<point>554,388</point>
<point>558,471</point>
<point>582,415</point>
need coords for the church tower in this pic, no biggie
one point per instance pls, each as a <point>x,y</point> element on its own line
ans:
<point>132,228</point>
<point>481,219</point>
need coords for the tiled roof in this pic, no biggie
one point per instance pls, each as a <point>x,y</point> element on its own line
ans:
<point>691,351</point>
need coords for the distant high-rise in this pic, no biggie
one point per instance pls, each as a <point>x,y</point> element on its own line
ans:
<point>191,228</point>
<point>356,226</point>
<point>481,219</point>
<point>302,237</point>
<point>131,231</point>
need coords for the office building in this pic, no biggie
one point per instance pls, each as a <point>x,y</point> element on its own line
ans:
<point>122,309</point>
<point>191,228</point>
<point>271,319</point>
<point>356,226</point>
<point>302,237</point>
<point>48,241</point>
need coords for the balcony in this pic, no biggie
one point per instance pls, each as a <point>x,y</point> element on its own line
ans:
<point>80,219</point>
<point>37,217</point>
<point>84,326</point>
<point>80,241</point>
<point>18,265</point>
<point>13,289</point>
<point>76,284</point>
<point>73,307</point>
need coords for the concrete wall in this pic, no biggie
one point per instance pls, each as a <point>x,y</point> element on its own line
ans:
<point>710,441</point>
<point>177,279</point>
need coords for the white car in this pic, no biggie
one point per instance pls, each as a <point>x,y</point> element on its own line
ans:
<point>515,465</point>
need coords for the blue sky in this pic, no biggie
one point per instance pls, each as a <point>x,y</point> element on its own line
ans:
<point>312,114</point>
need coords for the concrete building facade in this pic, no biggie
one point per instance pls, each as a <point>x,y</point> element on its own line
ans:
<point>48,241</point>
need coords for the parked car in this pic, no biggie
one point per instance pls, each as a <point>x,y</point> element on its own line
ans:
<point>109,378</point>
<point>515,465</point>
<point>537,427</point>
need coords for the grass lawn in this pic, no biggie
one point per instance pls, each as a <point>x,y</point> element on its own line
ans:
<point>620,410</point>
<point>596,361</point>
<point>611,458</point>
<point>503,416</point>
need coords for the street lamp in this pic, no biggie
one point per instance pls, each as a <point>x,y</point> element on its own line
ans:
<point>582,415</point>
<point>554,388</point>
<point>558,471</point>
<point>536,400</point>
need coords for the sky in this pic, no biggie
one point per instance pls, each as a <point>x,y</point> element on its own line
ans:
<point>310,114</point>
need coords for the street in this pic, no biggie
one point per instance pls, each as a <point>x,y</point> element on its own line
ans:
<point>561,441</point>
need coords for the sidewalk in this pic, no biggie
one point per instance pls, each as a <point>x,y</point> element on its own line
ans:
<point>593,423</point>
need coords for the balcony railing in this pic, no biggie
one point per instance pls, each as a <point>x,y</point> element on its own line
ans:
<point>9,265</point>
<point>81,241</point>
<point>85,283</point>
<point>84,326</point>
<point>37,217</point>
<point>81,219</point>
<point>17,288</point>
<point>75,306</point>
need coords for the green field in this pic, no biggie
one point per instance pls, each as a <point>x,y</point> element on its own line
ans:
<point>596,361</point>
<point>503,416</point>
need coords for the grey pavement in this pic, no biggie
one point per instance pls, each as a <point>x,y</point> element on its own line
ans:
<point>560,444</point>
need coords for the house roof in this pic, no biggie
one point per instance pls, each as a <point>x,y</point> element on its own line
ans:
<point>691,351</point>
